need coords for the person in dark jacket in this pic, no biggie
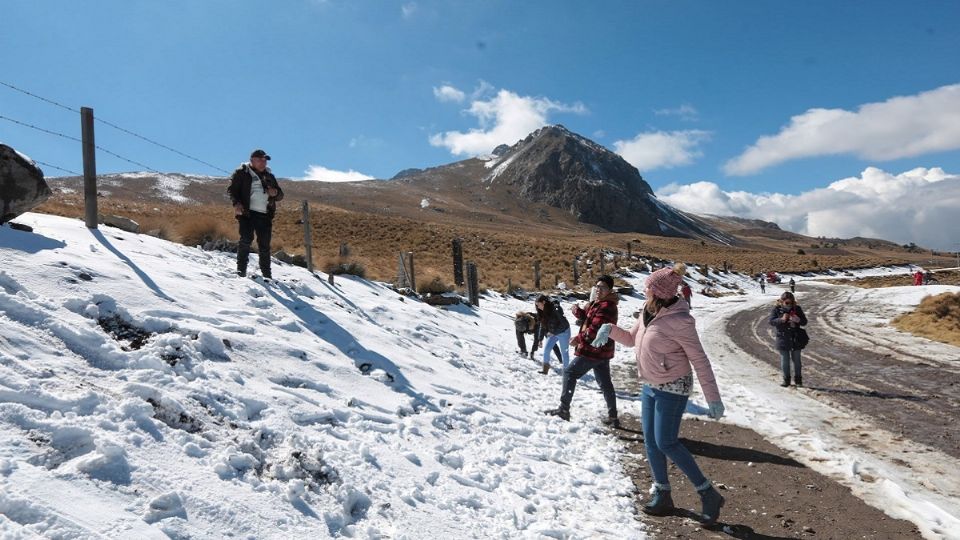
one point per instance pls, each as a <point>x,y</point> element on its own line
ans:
<point>787,316</point>
<point>555,328</point>
<point>254,192</point>
<point>587,357</point>
<point>528,323</point>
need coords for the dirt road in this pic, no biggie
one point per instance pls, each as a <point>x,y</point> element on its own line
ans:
<point>904,391</point>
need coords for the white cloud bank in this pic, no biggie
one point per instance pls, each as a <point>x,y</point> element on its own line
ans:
<point>449,93</point>
<point>504,119</point>
<point>900,127</point>
<point>662,149</point>
<point>921,205</point>
<point>323,174</point>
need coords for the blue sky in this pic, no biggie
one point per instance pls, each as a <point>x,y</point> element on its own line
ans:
<point>757,97</point>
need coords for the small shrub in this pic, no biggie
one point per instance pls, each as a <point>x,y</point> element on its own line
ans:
<point>433,286</point>
<point>339,265</point>
<point>801,252</point>
<point>197,230</point>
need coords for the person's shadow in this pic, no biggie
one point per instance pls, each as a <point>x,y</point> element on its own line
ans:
<point>363,358</point>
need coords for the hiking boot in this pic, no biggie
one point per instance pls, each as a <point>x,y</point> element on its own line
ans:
<point>562,413</point>
<point>523,354</point>
<point>786,382</point>
<point>611,421</point>
<point>712,501</point>
<point>242,273</point>
<point>660,503</point>
<point>799,382</point>
<point>545,369</point>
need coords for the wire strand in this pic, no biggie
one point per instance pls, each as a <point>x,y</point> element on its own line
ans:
<point>114,126</point>
<point>55,167</point>
<point>31,126</point>
<point>41,98</point>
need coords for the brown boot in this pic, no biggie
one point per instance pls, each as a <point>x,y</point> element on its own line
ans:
<point>546,369</point>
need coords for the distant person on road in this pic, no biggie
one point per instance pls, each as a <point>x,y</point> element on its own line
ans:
<point>254,192</point>
<point>793,285</point>
<point>526,322</point>
<point>668,351</point>
<point>788,318</point>
<point>555,328</point>
<point>589,357</point>
<point>763,285</point>
<point>927,277</point>
<point>918,278</point>
<point>687,294</point>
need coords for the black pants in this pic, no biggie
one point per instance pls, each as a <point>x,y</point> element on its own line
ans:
<point>521,342</point>
<point>579,366</point>
<point>262,225</point>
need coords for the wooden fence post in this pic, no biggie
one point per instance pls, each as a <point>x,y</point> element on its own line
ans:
<point>576,273</point>
<point>413,273</point>
<point>629,250</point>
<point>89,167</point>
<point>458,262</point>
<point>603,263</point>
<point>536,275</point>
<point>307,241</point>
<point>344,249</point>
<point>473,286</point>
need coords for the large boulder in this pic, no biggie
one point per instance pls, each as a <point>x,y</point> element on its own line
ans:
<point>21,184</point>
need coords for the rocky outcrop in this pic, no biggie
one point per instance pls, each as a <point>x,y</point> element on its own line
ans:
<point>21,184</point>
<point>562,169</point>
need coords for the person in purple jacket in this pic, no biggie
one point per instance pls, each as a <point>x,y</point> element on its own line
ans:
<point>668,350</point>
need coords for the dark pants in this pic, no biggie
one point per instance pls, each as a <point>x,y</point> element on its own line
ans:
<point>262,226</point>
<point>579,367</point>
<point>522,343</point>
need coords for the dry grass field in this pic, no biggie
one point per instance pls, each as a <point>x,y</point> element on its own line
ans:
<point>937,318</point>
<point>947,277</point>
<point>504,250</point>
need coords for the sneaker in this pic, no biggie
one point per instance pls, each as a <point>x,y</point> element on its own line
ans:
<point>242,273</point>
<point>562,413</point>
<point>785,383</point>
<point>612,421</point>
<point>545,369</point>
<point>523,354</point>
<point>799,382</point>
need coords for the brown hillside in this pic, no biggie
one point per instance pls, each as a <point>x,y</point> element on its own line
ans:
<point>503,237</point>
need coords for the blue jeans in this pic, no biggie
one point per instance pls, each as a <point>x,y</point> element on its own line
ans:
<point>563,340</point>
<point>660,414</point>
<point>579,367</point>
<point>785,357</point>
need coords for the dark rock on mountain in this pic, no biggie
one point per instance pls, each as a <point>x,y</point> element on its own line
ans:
<point>501,150</point>
<point>21,184</point>
<point>562,169</point>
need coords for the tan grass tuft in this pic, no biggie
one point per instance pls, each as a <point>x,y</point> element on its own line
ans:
<point>937,318</point>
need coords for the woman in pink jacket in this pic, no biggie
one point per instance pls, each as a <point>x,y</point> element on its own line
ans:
<point>668,350</point>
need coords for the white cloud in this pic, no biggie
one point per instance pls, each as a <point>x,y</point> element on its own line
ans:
<point>323,174</point>
<point>686,112</point>
<point>449,93</point>
<point>408,9</point>
<point>900,127</point>
<point>657,149</point>
<point>504,119</point>
<point>920,205</point>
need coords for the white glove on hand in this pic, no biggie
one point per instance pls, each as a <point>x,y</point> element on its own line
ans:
<point>716,409</point>
<point>603,335</point>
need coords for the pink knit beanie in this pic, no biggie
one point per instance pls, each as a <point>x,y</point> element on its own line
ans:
<point>664,282</point>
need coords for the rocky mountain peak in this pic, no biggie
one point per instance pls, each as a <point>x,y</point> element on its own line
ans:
<point>558,167</point>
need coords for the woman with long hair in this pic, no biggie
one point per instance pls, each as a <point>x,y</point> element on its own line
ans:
<point>788,318</point>
<point>555,328</point>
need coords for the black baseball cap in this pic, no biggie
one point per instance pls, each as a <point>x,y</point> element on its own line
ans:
<point>259,153</point>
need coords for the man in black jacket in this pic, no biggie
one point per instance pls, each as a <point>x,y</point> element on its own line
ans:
<point>254,192</point>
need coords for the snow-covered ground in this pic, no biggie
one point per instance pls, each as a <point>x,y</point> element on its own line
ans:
<point>304,410</point>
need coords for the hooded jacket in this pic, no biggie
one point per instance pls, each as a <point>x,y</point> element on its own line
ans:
<point>668,348</point>
<point>596,314</point>
<point>241,182</point>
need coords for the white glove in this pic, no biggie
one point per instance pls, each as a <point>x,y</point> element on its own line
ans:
<point>603,335</point>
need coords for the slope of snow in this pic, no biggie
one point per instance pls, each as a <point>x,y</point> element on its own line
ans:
<point>295,410</point>
<point>147,392</point>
